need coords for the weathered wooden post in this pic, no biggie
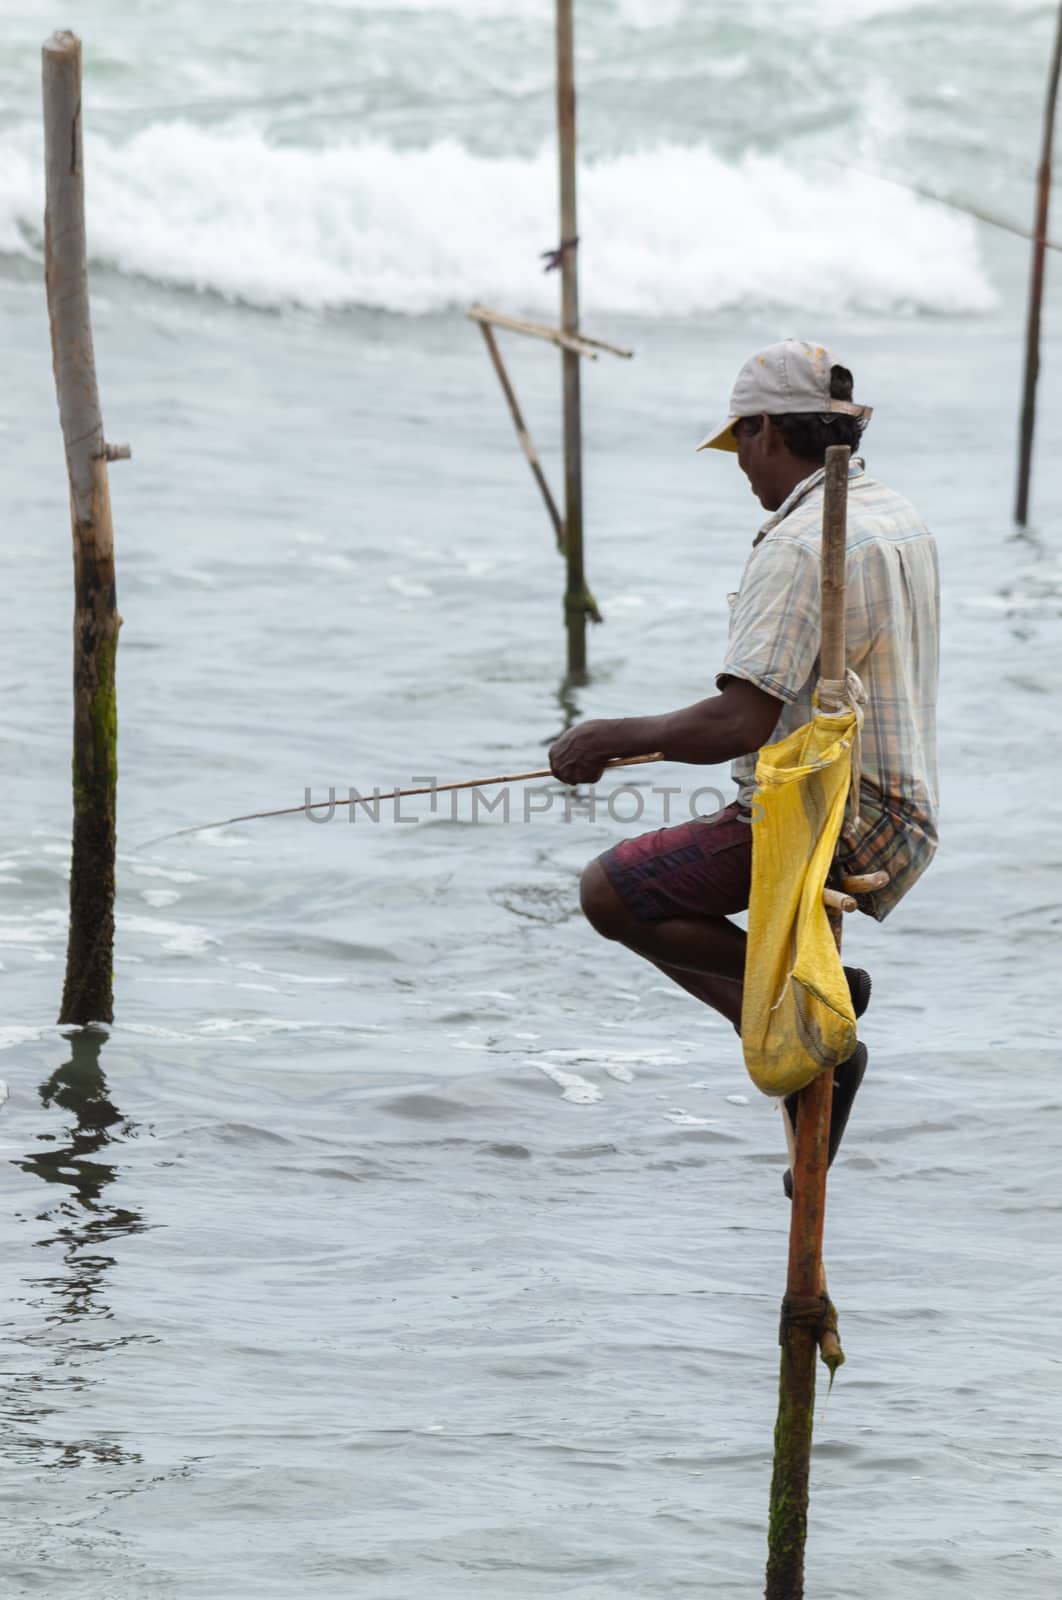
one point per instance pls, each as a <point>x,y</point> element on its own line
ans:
<point>1036,285</point>
<point>88,989</point>
<point>575,598</point>
<point>579,604</point>
<point>805,1307</point>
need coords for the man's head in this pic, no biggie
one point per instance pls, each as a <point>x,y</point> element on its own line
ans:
<point>790,402</point>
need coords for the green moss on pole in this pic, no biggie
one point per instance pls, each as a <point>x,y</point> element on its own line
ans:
<point>787,1533</point>
<point>88,989</point>
<point>576,608</point>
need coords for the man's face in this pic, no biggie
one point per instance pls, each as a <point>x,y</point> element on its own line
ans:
<point>756,454</point>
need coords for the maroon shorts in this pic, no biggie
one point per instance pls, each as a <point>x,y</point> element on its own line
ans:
<point>701,868</point>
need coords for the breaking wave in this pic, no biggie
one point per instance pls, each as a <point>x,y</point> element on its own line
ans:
<point>670,230</point>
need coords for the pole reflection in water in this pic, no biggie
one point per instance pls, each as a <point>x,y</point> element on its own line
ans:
<point>83,1224</point>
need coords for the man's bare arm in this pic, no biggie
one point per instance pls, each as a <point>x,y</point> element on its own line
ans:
<point>733,723</point>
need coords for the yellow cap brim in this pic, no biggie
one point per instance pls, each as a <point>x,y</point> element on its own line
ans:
<point>721,438</point>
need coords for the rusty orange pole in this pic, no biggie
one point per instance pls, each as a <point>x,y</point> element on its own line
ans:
<point>804,1307</point>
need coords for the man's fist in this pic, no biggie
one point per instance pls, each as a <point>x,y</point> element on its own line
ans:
<point>582,754</point>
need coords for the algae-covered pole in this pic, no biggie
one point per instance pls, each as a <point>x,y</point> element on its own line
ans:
<point>575,599</point>
<point>87,991</point>
<point>804,1307</point>
<point>1036,285</point>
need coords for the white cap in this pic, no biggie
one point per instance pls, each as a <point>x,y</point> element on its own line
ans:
<point>791,378</point>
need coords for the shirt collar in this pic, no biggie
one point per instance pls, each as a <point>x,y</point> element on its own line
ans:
<point>856,469</point>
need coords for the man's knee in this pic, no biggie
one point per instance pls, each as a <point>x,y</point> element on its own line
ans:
<point>602,906</point>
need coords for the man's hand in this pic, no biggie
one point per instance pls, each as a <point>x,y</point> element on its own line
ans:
<point>582,754</point>
<point>733,723</point>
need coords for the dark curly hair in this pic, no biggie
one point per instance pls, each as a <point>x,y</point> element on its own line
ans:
<point>808,434</point>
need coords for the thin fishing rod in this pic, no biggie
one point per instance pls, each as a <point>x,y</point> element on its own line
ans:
<point>395,794</point>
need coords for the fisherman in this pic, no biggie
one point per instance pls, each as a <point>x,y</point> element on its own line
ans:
<point>669,895</point>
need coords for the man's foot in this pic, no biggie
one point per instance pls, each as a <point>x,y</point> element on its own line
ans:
<point>846,1080</point>
<point>859,987</point>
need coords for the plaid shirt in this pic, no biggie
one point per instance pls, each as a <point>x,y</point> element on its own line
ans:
<point>891,621</point>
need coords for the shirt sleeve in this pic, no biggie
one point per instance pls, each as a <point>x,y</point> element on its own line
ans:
<point>775,623</point>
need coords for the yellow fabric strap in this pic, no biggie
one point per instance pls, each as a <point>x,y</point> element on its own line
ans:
<point>833,695</point>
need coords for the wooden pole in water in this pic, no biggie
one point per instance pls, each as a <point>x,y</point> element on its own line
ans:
<point>575,598</point>
<point>1036,285</point>
<point>804,1307</point>
<point>87,991</point>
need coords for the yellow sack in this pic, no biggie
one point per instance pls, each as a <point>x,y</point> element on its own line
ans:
<point>797,1017</point>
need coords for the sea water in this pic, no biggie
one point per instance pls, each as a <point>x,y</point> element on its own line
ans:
<point>400,1238</point>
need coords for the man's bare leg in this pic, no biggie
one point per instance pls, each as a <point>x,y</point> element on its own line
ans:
<point>704,955</point>
<point>722,994</point>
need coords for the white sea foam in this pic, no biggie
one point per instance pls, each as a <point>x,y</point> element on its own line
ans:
<point>290,977</point>
<point>160,898</point>
<point>42,927</point>
<point>15,1033</point>
<point>618,1064</point>
<point>579,1090</point>
<point>144,869</point>
<point>670,230</point>
<point>684,1119</point>
<point>185,939</point>
<point>150,1030</point>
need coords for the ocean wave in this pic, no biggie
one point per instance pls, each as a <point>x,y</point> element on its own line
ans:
<point>670,230</point>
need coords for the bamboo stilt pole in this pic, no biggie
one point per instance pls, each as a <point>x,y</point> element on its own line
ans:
<point>1036,285</point>
<point>804,1307</point>
<point>575,598</point>
<point>87,991</point>
<point>527,444</point>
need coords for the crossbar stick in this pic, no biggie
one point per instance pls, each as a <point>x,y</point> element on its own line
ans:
<point>581,343</point>
<point>527,444</point>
